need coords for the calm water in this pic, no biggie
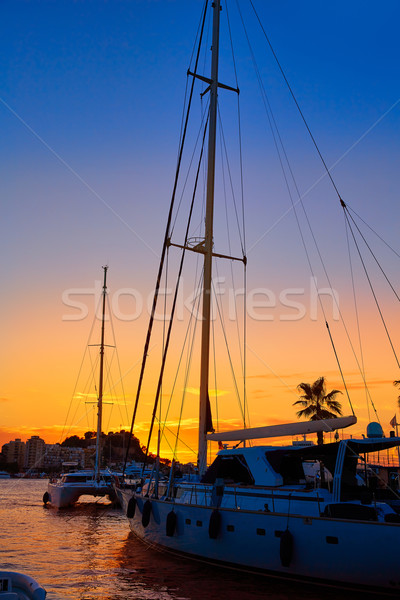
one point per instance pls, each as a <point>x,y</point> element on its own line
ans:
<point>87,553</point>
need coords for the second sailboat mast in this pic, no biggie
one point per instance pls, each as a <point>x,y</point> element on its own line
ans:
<point>100,397</point>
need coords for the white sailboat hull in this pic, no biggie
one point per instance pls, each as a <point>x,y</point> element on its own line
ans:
<point>338,552</point>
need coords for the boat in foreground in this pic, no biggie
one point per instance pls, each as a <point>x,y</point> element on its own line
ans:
<point>17,586</point>
<point>302,513</point>
<point>298,512</point>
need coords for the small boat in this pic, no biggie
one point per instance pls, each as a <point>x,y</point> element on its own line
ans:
<point>65,490</point>
<point>17,586</point>
<point>301,512</point>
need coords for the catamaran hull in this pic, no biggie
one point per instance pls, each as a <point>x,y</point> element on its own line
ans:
<point>62,496</point>
<point>346,553</point>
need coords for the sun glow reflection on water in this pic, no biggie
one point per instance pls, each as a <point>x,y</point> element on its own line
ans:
<point>88,553</point>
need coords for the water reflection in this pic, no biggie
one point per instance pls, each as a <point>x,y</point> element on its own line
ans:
<point>87,553</point>
<point>178,578</point>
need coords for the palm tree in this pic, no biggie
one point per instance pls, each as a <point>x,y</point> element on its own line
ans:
<point>317,404</point>
<point>397,383</point>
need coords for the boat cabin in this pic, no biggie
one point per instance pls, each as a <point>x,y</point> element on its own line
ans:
<point>332,466</point>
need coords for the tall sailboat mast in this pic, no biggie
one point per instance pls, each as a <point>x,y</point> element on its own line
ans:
<point>100,396</point>
<point>208,244</point>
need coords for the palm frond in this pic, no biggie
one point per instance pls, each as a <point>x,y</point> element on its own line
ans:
<point>318,387</point>
<point>327,414</point>
<point>301,402</point>
<point>306,388</point>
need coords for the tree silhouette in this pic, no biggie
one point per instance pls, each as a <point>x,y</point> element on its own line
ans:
<point>317,404</point>
<point>397,384</point>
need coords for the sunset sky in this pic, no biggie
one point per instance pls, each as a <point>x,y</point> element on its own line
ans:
<point>90,113</point>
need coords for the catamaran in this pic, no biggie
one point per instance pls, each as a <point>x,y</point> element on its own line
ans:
<point>66,489</point>
<point>301,512</point>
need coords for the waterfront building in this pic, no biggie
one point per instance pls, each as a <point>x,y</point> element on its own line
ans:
<point>14,452</point>
<point>34,452</point>
<point>73,455</point>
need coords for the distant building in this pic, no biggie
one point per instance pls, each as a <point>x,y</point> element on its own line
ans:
<point>59,457</point>
<point>14,452</point>
<point>52,457</point>
<point>35,452</point>
<point>73,455</point>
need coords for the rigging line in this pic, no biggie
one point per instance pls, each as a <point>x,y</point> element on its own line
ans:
<point>374,295</point>
<point>300,200</point>
<point>245,403</point>
<point>270,115</point>
<point>340,367</point>
<point>165,243</point>
<point>278,377</point>
<point>93,370</point>
<point>244,354</point>
<point>179,276</point>
<point>230,253</point>
<point>167,441</point>
<point>314,279</point>
<point>241,353</point>
<point>182,117</point>
<point>214,361</point>
<point>195,311</point>
<point>231,43</point>
<point>207,45</point>
<point>189,359</point>
<point>295,101</point>
<point>357,316</point>
<point>110,389</point>
<point>73,398</point>
<point>163,329</point>
<point>197,296</point>
<point>221,318</point>
<point>335,300</point>
<point>223,144</point>
<point>374,257</point>
<point>91,382</point>
<point>89,411</point>
<point>331,169</point>
<point>86,350</point>
<point>190,343</point>
<point>239,129</point>
<point>241,176</point>
<point>189,168</point>
<point>117,355</point>
<point>182,442</point>
<point>215,371</point>
<point>373,231</point>
<point>198,33</point>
